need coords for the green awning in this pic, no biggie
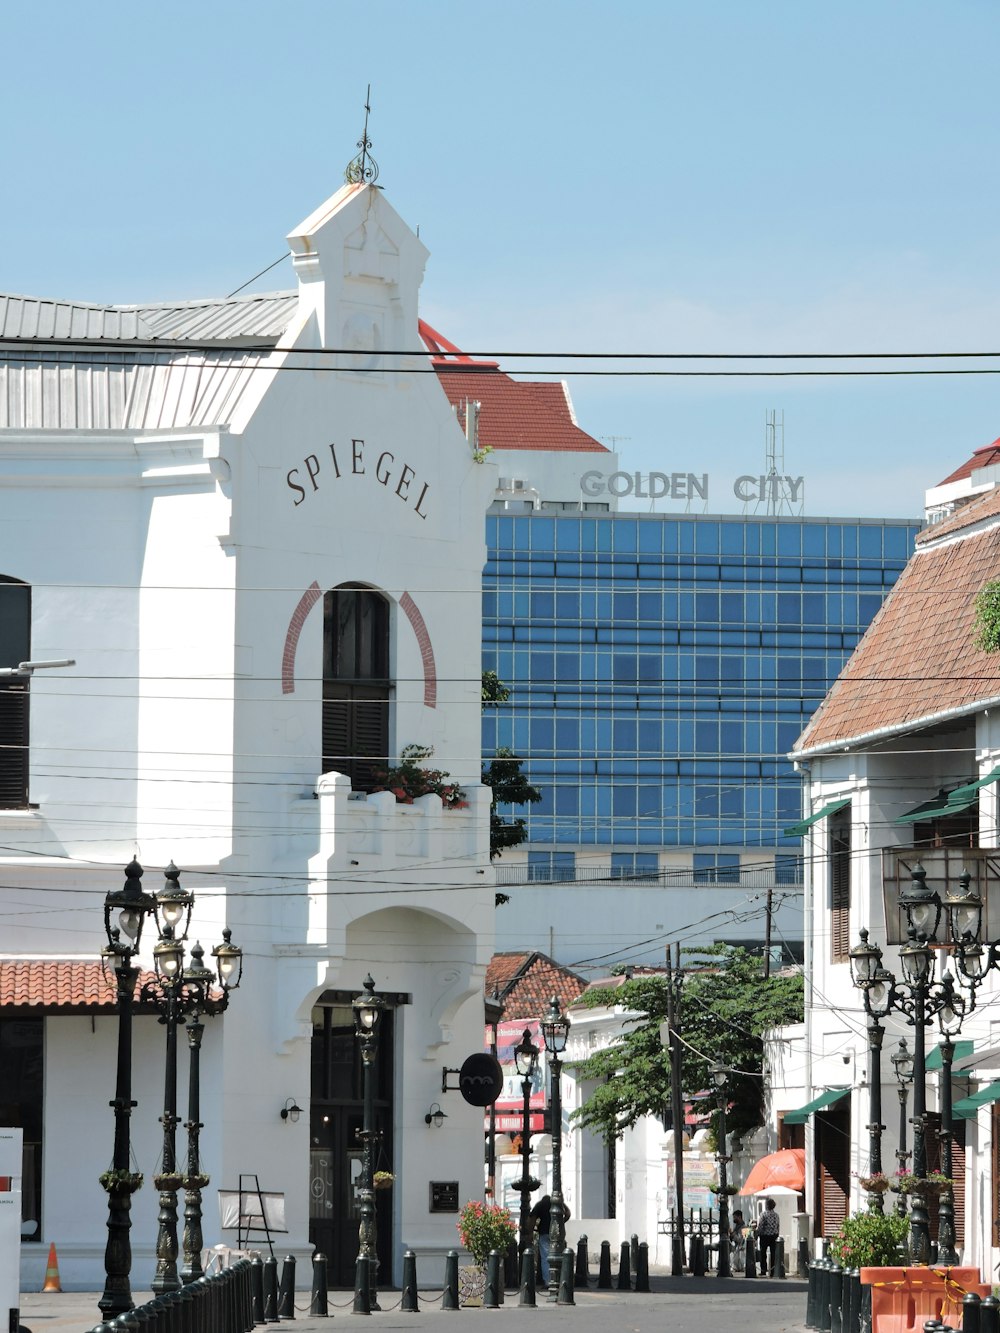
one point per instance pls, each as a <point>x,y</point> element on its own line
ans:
<point>796,830</point>
<point>949,802</point>
<point>819,1103</point>
<point>966,1109</point>
<point>962,1049</point>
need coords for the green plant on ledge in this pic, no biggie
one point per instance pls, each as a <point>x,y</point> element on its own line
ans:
<point>869,1240</point>
<point>409,780</point>
<point>987,619</point>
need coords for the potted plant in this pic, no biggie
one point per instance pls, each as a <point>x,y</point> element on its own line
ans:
<point>877,1183</point>
<point>196,1180</point>
<point>124,1181</point>
<point>728,1190</point>
<point>382,1180</point>
<point>482,1227</point>
<point>869,1240</point>
<point>168,1180</point>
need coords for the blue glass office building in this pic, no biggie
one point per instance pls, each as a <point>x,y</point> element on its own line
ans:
<point>661,667</point>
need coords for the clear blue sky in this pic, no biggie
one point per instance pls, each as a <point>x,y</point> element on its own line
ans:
<point>744,175</point>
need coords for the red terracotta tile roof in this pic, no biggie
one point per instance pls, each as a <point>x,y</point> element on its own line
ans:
<point>527,982</point>
<point>55,984</point>
<point>981,507</point>
<point>514,414</point>
<point>984,457</point>
<point>918,659</point>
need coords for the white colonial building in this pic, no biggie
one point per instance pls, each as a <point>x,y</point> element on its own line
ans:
<point>902,771</point>
<point>257,531</point>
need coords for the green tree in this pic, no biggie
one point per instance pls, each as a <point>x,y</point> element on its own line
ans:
<point>725,1009</point>
<point>504,775</point>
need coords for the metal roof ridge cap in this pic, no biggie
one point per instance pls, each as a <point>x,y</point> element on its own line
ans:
<point>915,724</point>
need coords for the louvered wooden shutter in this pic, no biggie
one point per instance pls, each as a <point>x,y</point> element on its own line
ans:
<point>840,885</point>
<point>15,647</point>
<point>13,744</point>
<point>933,1142</point>
<point>995,1170</point>
<point>833,1161</point>
<point>355,731</point>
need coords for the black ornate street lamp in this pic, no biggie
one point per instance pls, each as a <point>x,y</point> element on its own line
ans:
<point>199,982</point>
<point>949,1024</point>
<point>177,992</point>
<point>555,1030</point>
<point>902,1063</point>
<point>368,1010</point>
<point>921,996</point>
<point>127,908</point>
<point>720,1075</point>
<point>526,1063</point>
<point>870,976</point>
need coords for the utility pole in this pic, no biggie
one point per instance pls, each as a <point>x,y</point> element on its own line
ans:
<point>674,981</point>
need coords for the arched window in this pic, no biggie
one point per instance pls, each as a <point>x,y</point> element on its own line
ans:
<point>356,684</point>
<point>15,647</point>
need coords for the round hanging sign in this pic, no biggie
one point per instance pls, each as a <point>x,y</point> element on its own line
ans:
<point>480,1080</point>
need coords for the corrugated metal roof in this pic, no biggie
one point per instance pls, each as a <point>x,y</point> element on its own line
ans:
<point>37,317</point>
<point>119,389</point>
<point>263,315</point>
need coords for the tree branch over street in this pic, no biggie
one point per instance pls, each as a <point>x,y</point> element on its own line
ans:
<point>726,1007</point>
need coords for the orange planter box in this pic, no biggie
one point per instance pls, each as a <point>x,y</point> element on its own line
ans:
<point>904,1298</point>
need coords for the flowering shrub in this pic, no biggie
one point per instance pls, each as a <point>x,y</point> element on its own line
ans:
<point>483,1227</point>
<point>408,780</point>
<point>869,1240</point>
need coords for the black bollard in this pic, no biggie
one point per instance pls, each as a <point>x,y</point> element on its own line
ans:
<point>989,1310</point>
<point>624,1268</point>
<point>823,1306</point>
<point>511,1275</point>
<point>257,1288</point>
<point>970,1312</point>
<point>318,1301</point>
<point>779,1258</point>
<point>362,1291</point>
<point>286,1293</point>
<point>642,1268</point>
<point>581,1278</point>
<point>409,1303</point>
<point>604,1271</point>
<point>699,1257</point>
<point>270,1290</point>
<point>565,1295</point>
<point>836,1299</point>
<point>633,1252</point>
<point>850,1320</point>
<point>449,1297</point>
<point>865,1318</point>
<point>803,1259</point>
<point>491,1297</point>
<point>751,1263</point>
<point>813,1278</point>
<point>527,1293</point>
<point>677,1256</point>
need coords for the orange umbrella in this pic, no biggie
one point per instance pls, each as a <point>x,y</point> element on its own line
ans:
<point>787,1168</point>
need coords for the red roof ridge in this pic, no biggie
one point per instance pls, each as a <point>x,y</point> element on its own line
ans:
<point>441,350</point>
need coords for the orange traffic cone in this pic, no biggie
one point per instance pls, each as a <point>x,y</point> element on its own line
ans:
<point>52,1282</point>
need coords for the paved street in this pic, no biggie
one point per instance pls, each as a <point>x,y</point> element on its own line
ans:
<point>675,1305</point>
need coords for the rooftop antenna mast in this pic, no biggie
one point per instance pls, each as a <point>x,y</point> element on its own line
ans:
<point>363,169</point>
<point>775,497</point>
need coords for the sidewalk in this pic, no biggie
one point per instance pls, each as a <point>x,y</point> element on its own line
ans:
<point>682,1305</point>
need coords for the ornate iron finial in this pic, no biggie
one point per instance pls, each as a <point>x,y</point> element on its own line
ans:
<point>363,168</point>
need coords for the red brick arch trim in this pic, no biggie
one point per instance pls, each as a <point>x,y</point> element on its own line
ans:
<point>413,615</point>
<point>306,603</point>
<point>412,612</point>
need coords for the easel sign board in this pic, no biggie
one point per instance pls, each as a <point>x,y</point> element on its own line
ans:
<point>11,1150</point>
<point>250,1210</point>
<point>10,1225</point>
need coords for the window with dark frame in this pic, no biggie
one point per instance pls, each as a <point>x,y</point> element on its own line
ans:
<point>356,684</point>
<point>840,884</point>
<point>15,647</point>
